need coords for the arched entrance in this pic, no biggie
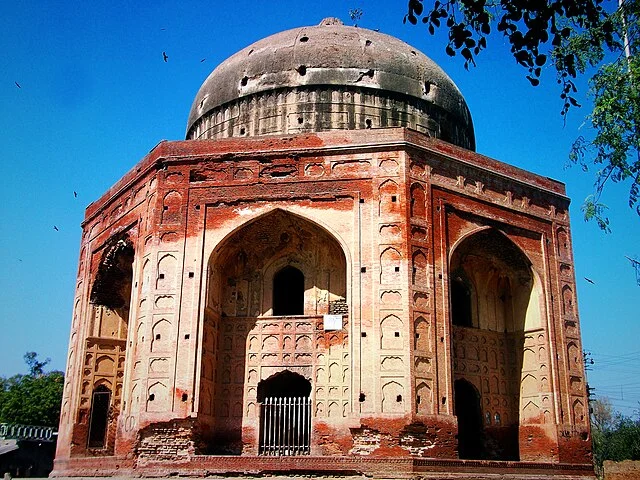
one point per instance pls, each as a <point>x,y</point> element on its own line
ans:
<point>493,308</point>
<point>285,414</point>
<point>469,413</point>
<point>270,283</point>
<point>99,418</point>
<point>105,347</point>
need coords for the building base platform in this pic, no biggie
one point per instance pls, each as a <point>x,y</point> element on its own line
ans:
<point>322,467</point>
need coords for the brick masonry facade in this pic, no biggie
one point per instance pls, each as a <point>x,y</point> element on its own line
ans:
<point>389,228</point>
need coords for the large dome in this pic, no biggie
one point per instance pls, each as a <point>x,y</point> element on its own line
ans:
<point>329,77</point>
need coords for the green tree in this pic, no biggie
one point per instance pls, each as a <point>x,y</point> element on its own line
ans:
<point>32,399</point>
<point>615,436</point>
<point>36,367</point>
<point>599,37</point>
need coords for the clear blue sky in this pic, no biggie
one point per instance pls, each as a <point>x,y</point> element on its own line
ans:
<point>96,96</point>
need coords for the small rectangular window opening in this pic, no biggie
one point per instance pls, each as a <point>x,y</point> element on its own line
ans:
<point>393,198</point>
<point>397,269</point>
<point>363,334</point>
<point>399,398</point>
<point>187,336</point>
<point>191,274</point>
<point>157,336</point>
<point>363,269</point>
<point>161,276</point>
<point>396,334</point>
<point>152,397</point>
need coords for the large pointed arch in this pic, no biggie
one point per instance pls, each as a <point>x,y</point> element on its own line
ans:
<point>259,214</point>
<point>251,274</point>
<point>505,302</point>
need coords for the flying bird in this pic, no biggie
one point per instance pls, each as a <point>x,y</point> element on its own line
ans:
<point>163,29</point>
<point>202,60</point>
<point>56,228</point>
<point>165,56</point>
<point>75,194</point>
<point>17,84</point>
<point>589,280</point>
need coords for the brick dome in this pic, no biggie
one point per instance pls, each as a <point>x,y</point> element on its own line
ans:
<point>329,77</point>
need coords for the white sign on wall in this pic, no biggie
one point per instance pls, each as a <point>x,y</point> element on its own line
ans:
<point>333,322</point>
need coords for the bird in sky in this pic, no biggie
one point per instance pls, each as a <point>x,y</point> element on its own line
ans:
<point>75,194</point>
<point>163,28</point>
<point>589,280</point>
<point>56,228</point>
<point>202,60</point>
<point>17,84</point>
<point>165,56</point>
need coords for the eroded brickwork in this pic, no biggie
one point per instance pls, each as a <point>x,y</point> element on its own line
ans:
<point>379,234</point>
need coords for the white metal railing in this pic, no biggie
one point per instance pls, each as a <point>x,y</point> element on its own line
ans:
<point>27,432</point>
<point>285,426</point>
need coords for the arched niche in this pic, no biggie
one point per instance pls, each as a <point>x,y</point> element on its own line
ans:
<point>495,298</point>
<point>270,268</point>
<point>243,268</point>
<point>110,297</point>
<point>418,201</point>
<point>283,384</point>
<point>111,287</point>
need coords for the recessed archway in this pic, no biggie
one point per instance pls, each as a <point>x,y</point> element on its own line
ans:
<point>284,384</point>
<point>285,414</point>
<point>110,298</point>
<point>493,302</point>
<point>270,269</point>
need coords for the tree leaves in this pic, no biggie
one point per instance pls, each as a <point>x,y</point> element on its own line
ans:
<point>615,436</point>
<point>32,399</point>
<point>576,35</point>
<point>527,25</point>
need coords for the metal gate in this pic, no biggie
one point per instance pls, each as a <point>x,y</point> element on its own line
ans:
<point>285,426</point>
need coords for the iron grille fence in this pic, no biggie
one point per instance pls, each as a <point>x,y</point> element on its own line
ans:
<point>285,426</point>
<point>27,432</point>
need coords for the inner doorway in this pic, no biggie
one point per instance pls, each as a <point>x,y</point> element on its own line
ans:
<point>288,292</point>
<point>99,417</point>
<point>285,415</point>
<point>467,409</point>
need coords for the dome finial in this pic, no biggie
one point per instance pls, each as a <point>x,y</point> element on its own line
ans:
<point>331,21</point>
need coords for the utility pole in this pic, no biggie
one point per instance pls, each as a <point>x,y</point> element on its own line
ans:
<point>588,366</point>
<point>636,265</point>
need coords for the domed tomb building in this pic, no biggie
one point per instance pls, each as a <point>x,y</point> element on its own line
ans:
<point>325,276</point>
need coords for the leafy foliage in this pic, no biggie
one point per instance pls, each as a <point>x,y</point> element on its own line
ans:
<point>615,437</point>
<point>578,36</point>
<point>36,367</point>
<point>32,399</point>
